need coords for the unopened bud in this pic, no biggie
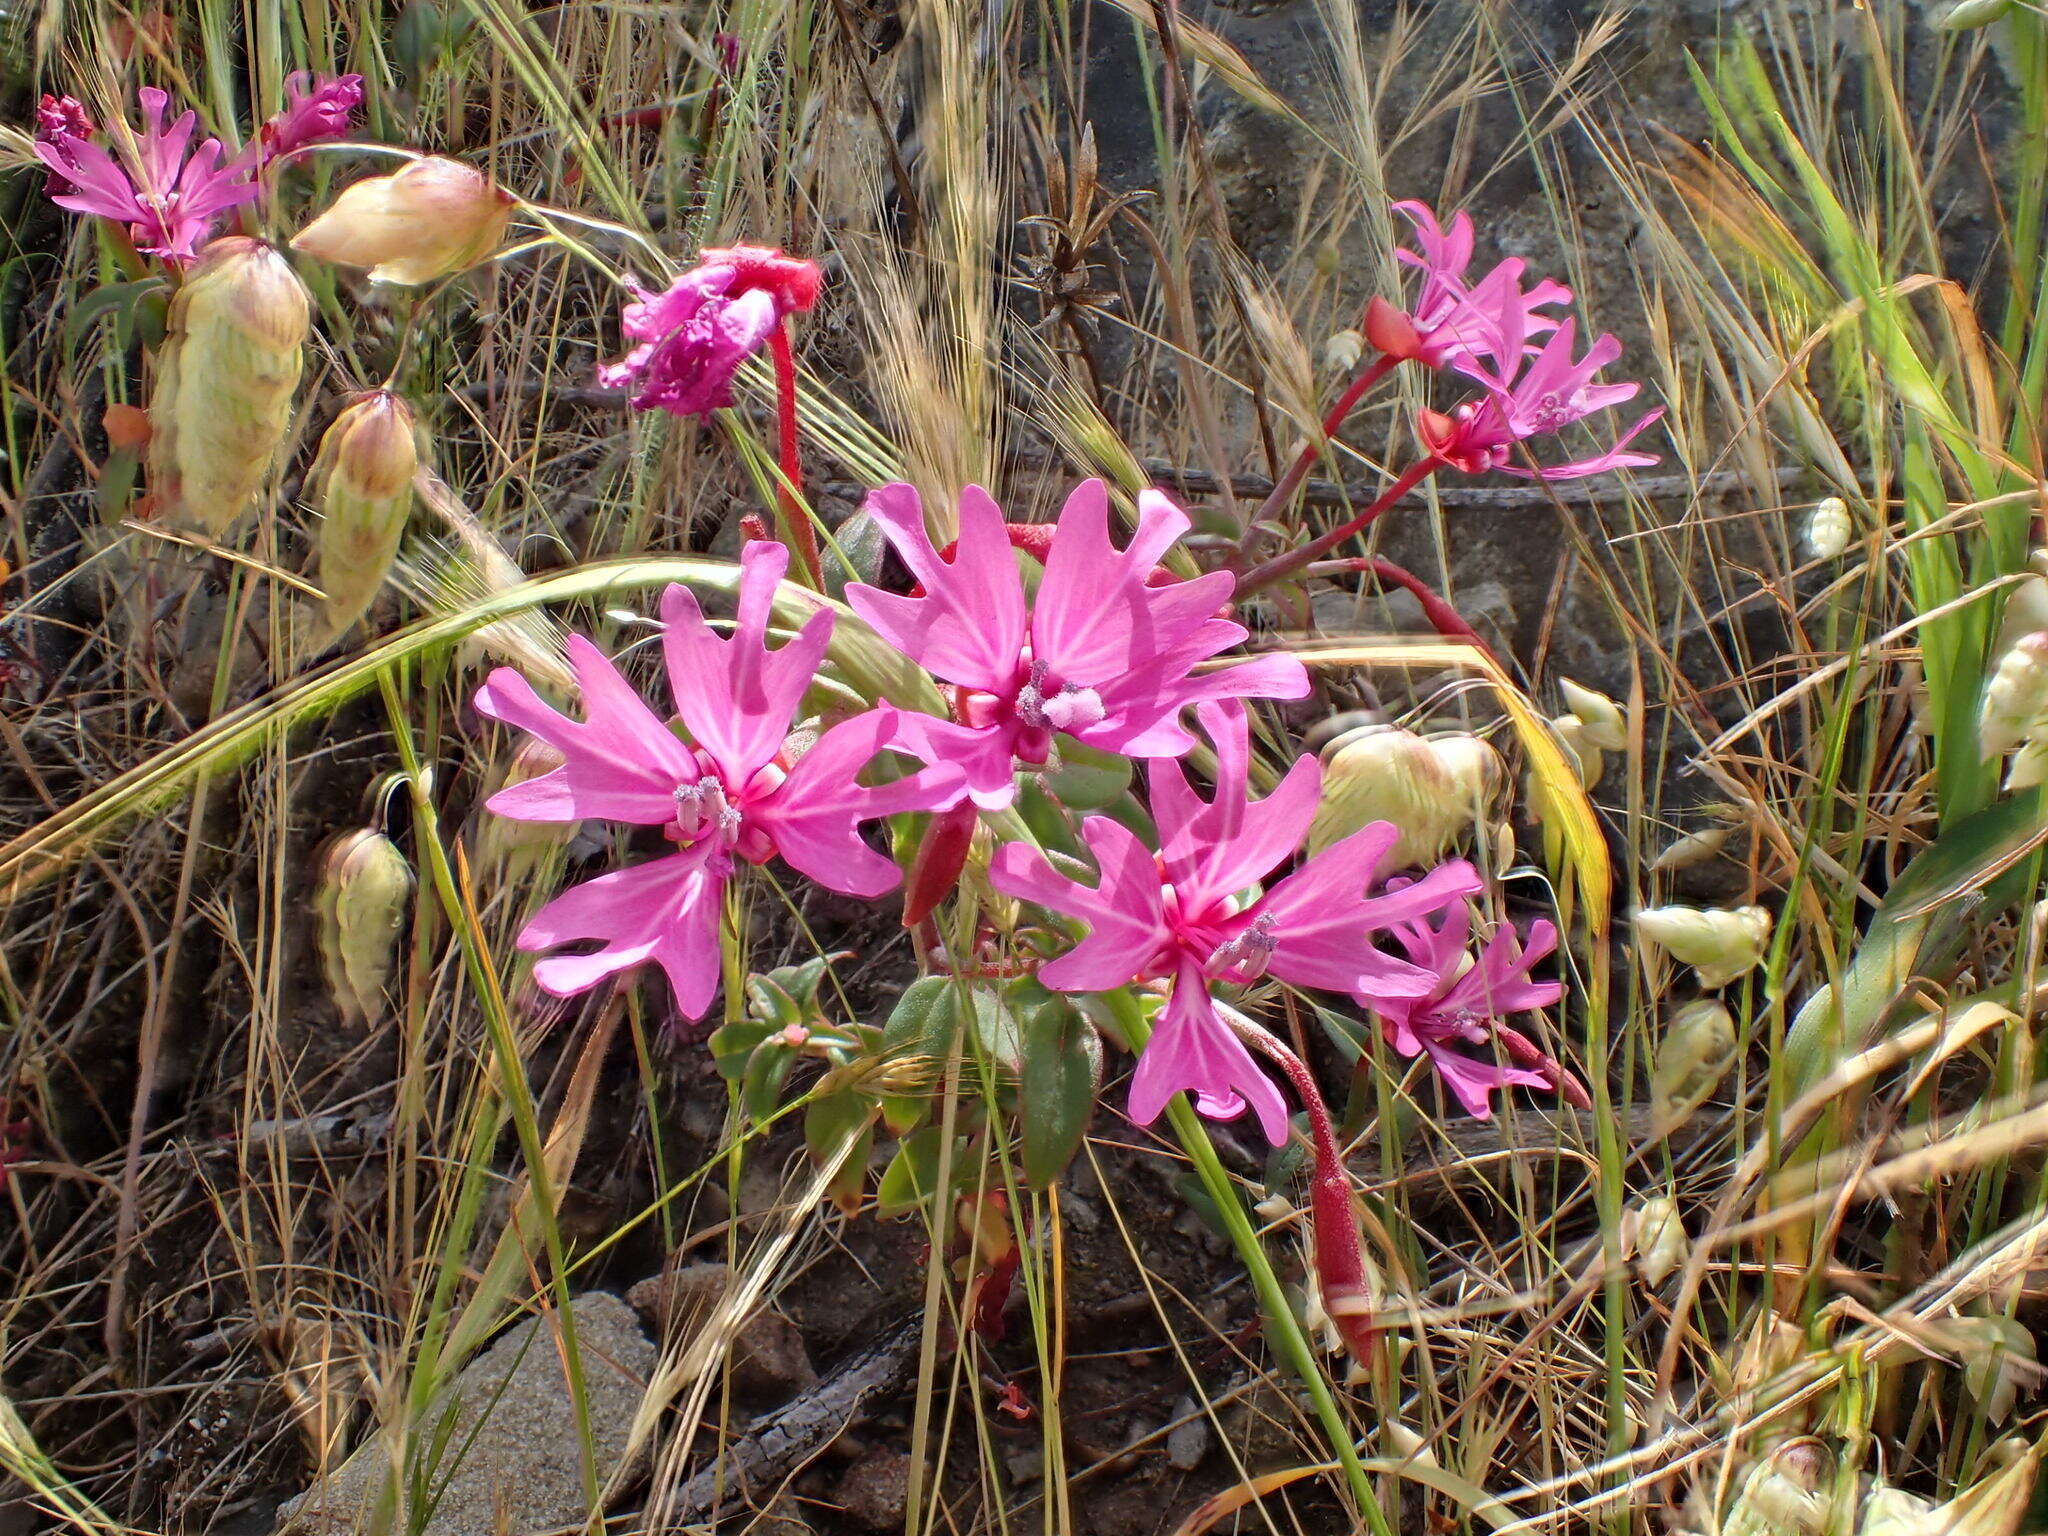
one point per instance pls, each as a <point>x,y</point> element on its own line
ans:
<point>1717,943</point>
<point>1432,788</point>
<point>1654,1237</point>
<point>362,485</point>
<point>226,373</point>
<point>1391,331</point>
<point>1692,1058</point>
<point>1966,15</point>
<point>1342,352</point>
<point>2016,697</point>
<point>1828,528</point>
<point>1601,719</point>
<point>433,218</point>
<point>365,885</point>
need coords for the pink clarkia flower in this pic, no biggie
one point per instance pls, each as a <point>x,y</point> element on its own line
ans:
<point>1100,656</point>
<point>169,199</point>
<point>1457,322</point>
<point>694,335</point>
<point>1458,1025</point>
<point>1189,915</point>
<point>60,119</point>
<point>728,792</point>
<point>316,112</point>
<point>1550,391</point>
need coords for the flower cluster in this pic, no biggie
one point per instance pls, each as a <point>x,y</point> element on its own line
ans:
<point>170,193</point>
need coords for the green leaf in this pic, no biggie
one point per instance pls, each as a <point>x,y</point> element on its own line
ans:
<point>761,1083</point>
<point>912,1175</point>
<point>733,1045</point>
<point>828,1121</point>
<point>1088,778</point>
<point>118,300</point>
<point>1057,1086</point>
<point>1977,866</point>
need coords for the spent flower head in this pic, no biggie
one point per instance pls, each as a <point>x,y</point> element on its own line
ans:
<point>693,336</point>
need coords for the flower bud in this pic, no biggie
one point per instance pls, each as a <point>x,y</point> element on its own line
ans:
<point>1889,1511</point>
<point>1697,1049</point>
<point>1828,528</point>
<point>1966,15</point>
<point>365,885</point>
<point>2016,697</point>
<point>1391,331</point>
<point>1601,720</point>
<point>1342,352</point>
<point>1654,1237</point>
<point>434,217</point>
<point>362,485</point>
<point>1718,944</point>
<point>225,377</point>
<point>1432,788</point>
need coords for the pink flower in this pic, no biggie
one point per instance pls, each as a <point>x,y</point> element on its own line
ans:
<point>1549,393</point>
<point>169,200</point>
<point>729,791</point>
<point>1458,1023</point>
<point>323,111</point>
<point>695,334</point>
<point>1188,915</point>
<point>1100,656</point>
<point>1456,322</point>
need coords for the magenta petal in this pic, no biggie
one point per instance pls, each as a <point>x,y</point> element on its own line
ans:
<point>968,628</point>
<point>665,911</point>
<point>985,755</point>
<point>1324,920</point>
<point>1216,850</point>
<point>1126,923</point>
<point>814,816</point>
<point>1473,1082</point>
<point>621,763</point>
<point>1194,1051</point>
<point>736,696</point>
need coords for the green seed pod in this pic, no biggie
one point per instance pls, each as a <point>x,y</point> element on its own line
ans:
<point>362,485</point>
<point>1433,788</point>
<point>1655,1237</point>
<point>1600,719</point>
<point>365,885</point>
<point>2016,698</point>
<point>1697,1049</point>
<point>224,382</point>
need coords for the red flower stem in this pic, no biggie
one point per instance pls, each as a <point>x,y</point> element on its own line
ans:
<point>1339,1255</point>
<point>1284,488</point>
<point>1442,616</point>
<point>796,523</point>
<point>1281,566</point>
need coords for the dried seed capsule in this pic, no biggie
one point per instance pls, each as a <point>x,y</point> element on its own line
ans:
<point>1588,761</point>
<point>225,377</point>
<point>1828,528</point>
<point>1432,788</point>
<point>1693,848</point>
<point>1654,1236</point>
<point>1719,944</point>
<point>1783,1495</point>
<point>433,218</point>
<point>362,484</point>
<point>365,886</point>
<point>1889,1511</point>
<point>1342,352</point>
<point>1697,1049</point>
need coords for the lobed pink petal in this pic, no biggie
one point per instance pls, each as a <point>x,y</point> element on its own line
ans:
<point>1473,1082</point>
<point>665,911</point>
<point>736,696</point>
<point>986,755</point>
<point>1194,1051</point>
<point>1217,849</point>
<point>622,763</point>
<point>969,626</point>
<point>1126,923</point>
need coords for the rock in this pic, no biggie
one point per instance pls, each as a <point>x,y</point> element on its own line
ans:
<point>1188,1443</point>
<point>768,1360</point>
<point>523,1469</point>
<point>873,1491</point>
